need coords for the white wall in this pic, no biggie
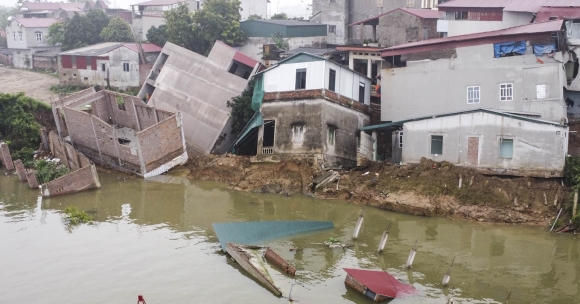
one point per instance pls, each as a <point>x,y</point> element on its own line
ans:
<point>464,27</point>
<point>253,7</point>
<point>283,78</point>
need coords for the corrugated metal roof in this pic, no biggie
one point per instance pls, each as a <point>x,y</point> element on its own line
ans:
<point>380,282</point>
<point>389,125</point>
<point>287,22</point>
<point>473,39</point>
<point>158,2</point>
<point>51,5</point>
<point>545,13</point>
<point>509,5</point>
<point>36,22</point>
<point>421,13</point>
<point>286,28</point>
<point>313,51</point>
<point>105,47</point>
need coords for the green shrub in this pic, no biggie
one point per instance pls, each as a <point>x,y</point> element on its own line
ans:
<point>572,171</point>
<point>67,89</point>
<point>47,171</point>
<point>576,221</point>
<point>75,217</point>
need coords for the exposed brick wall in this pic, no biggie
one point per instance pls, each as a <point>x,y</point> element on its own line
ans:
<point>144,70</point>
<point>5,157</point>
<point>77,97</point>
<point>79,180</point>
<point>66,153</point>
<point>6,59</point>
<point>147,116</point>
<point>32,182</point>
<point>45,62</point>
<point>161,143</point>
<point>316,94</point>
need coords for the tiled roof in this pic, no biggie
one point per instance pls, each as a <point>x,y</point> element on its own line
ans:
<point>36,22</point>
<point>508,5</point>
<point>105,47</point>
<point>159,2</point>
<point>289,22</point>
<point>473,39</point>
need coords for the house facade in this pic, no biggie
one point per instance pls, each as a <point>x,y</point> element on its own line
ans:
<point>493,101</point>
<point>108,64</point>
<point>199,87</point>
<point>312,106</point>
<point>27,36</point>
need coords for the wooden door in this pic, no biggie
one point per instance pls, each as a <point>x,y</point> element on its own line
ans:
<point>473,151</point>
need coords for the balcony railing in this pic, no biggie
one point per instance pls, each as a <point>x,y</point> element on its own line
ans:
<point>268,150</point>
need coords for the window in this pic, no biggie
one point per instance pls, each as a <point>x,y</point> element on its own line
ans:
<point>361,92</point>
<point>38,37</point>
<point>300,79</point>
<point>437,144</point>
<point>126,66</point>
<point>506,148</point>
<point>332,80</point>
<point>233,68</point>
<point>14,36</point>
<point>332,29</point>
<point>102,67</point>
<point>506,92</point>
<point>461,15</point>
<point>298,133</point>
<point>400,136</point>
<point>379,3</point>
<point>20,36</point>
<point>331,136</point>
<point>410,3</point>
<point>473,94</point>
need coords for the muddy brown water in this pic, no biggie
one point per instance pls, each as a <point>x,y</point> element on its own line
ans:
<point>154,238</point>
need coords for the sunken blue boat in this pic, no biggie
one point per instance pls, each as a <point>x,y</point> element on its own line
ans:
<point>256,233</point>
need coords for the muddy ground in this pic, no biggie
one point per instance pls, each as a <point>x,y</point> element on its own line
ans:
<point>427,189</point>
<point>35,84</point>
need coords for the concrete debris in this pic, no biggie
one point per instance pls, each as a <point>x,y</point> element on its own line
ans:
<point>80,180</point>
<point>325,179</point>
<point>5,157</point>
<point>20,170</point>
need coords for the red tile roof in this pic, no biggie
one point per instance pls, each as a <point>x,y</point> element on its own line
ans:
<point>147,47</point>
<point>518,33</point>
<point>421,13</point>
<point>545,13</point>
<point>158,2</point>
<point>51,5</point>
<point>380,282</point>
<point>508,5</point>
<point>241,57</point>
<point>36,22</point>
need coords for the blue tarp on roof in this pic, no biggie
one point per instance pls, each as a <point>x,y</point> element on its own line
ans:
<point>502,49</point>
<point>540,49</point>
<point>255,233</point>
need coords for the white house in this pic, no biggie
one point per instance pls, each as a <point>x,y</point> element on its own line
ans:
<point>27,36</point>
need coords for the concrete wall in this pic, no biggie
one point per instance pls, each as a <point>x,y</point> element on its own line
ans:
<point>425,88</point>
<point>400,27</point>
<point>335,14</point>
<point>154,153</point>
<point>199,87</point>
<point>464,27</point>
<point>77,181</point>
<point>143,24</point>
<point>28,36</point>
<point>538,149</point>
<point>283,78</point>
<point>253,46</point>
<point>316,115</point>
<point>45,62</point>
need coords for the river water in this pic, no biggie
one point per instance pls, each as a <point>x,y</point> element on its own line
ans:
<point>154,238</point>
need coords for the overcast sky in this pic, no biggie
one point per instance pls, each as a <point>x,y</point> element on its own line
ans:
<point>294,8</point>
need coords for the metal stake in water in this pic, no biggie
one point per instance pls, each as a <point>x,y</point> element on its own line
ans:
<point>384,238</point>
<point>358,226</point>
<point>290,293</point>
<point>411,257</point>
<point>447,275</point>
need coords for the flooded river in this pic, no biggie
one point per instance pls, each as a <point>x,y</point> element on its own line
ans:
<point>155,238</point>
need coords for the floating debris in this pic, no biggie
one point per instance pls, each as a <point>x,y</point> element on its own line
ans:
<point>376,284</point>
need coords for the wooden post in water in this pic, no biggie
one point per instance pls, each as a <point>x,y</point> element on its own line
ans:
<point>411,257</point>
<point>358,226</point>
<point>447,275</point>
<point>384,238</point>
<point>575,202</point>
<point>290,293</point>
<point>507,298</point>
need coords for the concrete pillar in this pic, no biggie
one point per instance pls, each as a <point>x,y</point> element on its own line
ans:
<point>350,61</point>
<point>369,68</point>
<point>374,33</point>
<point>374,137</point>
<point>5,157</point>
<point>32,182</point>
<point>20,170</point>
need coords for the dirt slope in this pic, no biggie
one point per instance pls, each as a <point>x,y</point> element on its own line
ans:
<point>34,84</point>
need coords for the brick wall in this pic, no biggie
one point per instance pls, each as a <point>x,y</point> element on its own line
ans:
<point>147,116</point>
<point>45,63</point>
<point>6,59</point>
<point>79,180</point>
<point>20,170</point>
<point>66,153</point>
<point>161,143</point>
<point>144,70</point>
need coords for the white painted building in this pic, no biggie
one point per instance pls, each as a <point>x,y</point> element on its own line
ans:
<point>27,36</point>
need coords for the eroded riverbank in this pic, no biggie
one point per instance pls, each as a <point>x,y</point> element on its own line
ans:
<point>427,189</point>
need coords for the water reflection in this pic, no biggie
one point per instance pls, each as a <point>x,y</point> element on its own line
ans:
<point>171,217</point>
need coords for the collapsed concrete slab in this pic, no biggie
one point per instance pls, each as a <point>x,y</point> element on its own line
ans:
<point>119,131</point>
<point>5,157</point>
<point>199,87</point>
<point>20,170</point>
<point>80,180</point>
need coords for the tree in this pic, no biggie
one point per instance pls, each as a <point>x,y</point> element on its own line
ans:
<point>157,35</point>
<point>97,21</point>
<point>280,42</point>
<point>218,20</point>
<point>242,110</point>
<point>75,33</point>
<point>179,29</point>
<point>56,33</point>
<point>118,30</point>
<point>280,16</point>
<point>3,42</point>
<point>254,17</point>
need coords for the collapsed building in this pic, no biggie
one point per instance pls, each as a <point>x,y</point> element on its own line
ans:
<point>199,87</point>
<point>120,131</point>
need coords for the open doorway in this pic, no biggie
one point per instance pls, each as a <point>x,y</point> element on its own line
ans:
<point>268,139</point>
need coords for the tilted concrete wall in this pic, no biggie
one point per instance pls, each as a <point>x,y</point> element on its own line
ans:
<point>6,157</point>
<point>155,155</point>
<point>400,27</point>
<point>77,181</point>
<point>539,149</point>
